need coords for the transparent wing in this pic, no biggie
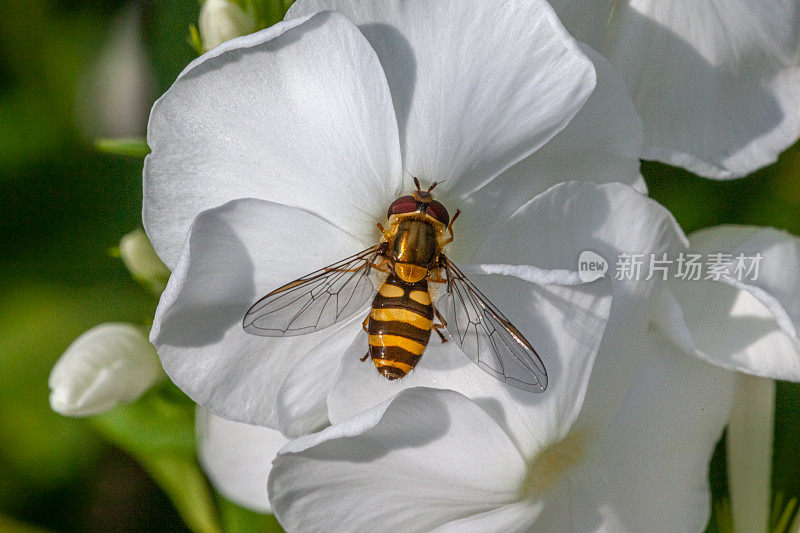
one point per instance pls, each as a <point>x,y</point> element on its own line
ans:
<point>316,300</point>
<point>486,336</point>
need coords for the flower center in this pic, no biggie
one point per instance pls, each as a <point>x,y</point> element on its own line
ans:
<point>549,465</point>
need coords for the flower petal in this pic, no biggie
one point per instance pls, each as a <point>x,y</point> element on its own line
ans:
<point>717,83</point>
<point>519,516</point>
<point>235,254</point>
<point>299,114</point>
<point>301,404</point>
<point>749,325</point>
<point>402,454</point>
<point>108,365</point>
<point>601,144</point>
<point>476,85</point>
<point>554,229</point>
<point>237,458</point>
<point>649,470</point>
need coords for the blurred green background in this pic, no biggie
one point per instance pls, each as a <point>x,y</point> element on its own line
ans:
<point>64,205</point>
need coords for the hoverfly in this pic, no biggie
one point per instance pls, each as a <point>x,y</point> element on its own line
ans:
<point>408,257</point>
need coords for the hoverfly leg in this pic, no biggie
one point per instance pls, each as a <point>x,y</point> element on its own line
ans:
<point>436,328</point>
<point>450,228</point>
<point>364,325</point>
<point>440,318</point>
<point>441,325</point>
<point>382,266</point>
<point>386,234</point>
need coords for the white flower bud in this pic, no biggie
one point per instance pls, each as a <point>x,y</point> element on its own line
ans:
<point>109,365</point>
<point>139,256</point>
<point>114,96</point>
<point>222,20</point>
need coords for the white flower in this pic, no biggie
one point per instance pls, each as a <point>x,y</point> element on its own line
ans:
<point>276,153</point>
<point>222,20</point>
<point>717,83</point>
<point>747,321</point>
<point>237,458</point>
<point>109,365</point>
<point>432,460</point>
<point>748,325</point>
<point>645,470</point>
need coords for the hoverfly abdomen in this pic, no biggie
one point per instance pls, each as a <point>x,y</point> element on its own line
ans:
<point>399,326</point>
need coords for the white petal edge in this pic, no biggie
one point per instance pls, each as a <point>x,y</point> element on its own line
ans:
<point>109,365</point>
<point>717,83</point>
<point>402,444</point>
<point>741,324</point>
<point>648,470</point>
<point>229,261</point>
<point>601,144</point>
<point>237,458</point>
<point>477,86</point>
<point>299,114</point>
<point>554,229</point>
<point>301,402</point>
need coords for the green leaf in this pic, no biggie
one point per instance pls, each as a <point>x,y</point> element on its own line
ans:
<point>158,430</point>
<point>183,481</point>
<point>267,12</point>
<point>8,525</point>
<point>781,515</point>
<point>165,33</point>
<point>40,448</point>
<point>127,146</point>
<point>161,421</point>
<point>236,519</point>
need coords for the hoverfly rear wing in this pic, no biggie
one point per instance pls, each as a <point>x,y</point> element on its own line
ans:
<point>486,336</point>
<point>317,300</point>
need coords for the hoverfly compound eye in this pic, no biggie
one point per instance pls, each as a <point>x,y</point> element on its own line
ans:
<point>438,211</point>
<point>404,204</point>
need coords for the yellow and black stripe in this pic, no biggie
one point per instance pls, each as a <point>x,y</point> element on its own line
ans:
<point>399,326</point>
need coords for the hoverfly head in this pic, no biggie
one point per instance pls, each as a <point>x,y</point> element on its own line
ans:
<point>422,202</point>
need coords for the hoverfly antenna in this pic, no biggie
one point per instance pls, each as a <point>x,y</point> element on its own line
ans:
<point>434,184</point>
<point>416,182</point>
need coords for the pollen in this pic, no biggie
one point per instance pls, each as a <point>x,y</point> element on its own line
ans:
<point>549,466</point>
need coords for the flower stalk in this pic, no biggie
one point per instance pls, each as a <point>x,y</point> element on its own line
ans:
<point>750,433</point>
